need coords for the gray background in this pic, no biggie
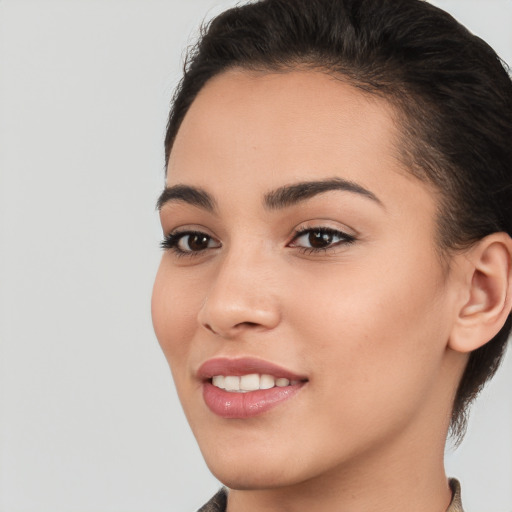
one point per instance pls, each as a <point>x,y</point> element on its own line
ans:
<point>88,417</point>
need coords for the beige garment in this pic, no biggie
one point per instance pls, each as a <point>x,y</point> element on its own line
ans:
<point>219,501</point>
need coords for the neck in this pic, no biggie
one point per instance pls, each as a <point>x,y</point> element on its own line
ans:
<point>388,485</point>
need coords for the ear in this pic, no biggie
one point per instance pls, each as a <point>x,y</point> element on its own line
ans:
<point>487,298</point>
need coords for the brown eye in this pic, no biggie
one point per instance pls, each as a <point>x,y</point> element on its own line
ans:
<point>189,242</point>
<point>194,242</point>
<point>319,239</point>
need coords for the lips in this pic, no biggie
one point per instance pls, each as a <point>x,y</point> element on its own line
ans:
<point>246,387</point>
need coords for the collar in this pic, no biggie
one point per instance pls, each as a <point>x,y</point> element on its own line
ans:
<point>456,503</point>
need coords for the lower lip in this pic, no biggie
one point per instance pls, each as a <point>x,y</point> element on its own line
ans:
<point>246,405</point>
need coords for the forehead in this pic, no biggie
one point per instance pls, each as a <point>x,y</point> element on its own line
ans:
<point>249,132</point>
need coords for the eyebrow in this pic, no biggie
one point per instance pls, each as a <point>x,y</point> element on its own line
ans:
<point>283,197</point>
<point>292,194</point>
<point>187,194</point>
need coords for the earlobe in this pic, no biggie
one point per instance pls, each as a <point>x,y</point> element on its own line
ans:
<point>488,300</point>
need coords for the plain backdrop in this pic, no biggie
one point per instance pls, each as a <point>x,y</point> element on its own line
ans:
<point>89,420</point>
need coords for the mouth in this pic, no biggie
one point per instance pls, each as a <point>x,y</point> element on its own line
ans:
<point>244,388</point>
<point>250,382</point>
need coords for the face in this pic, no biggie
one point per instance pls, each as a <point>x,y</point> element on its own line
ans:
<point>299,264</point>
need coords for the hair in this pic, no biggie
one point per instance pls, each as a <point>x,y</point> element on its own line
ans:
<point>451,93</point>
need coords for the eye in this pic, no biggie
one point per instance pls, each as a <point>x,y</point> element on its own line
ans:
<point>189,242</point>
<point>320,239</point>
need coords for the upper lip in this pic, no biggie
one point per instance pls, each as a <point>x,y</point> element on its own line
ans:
<point>244,366</point>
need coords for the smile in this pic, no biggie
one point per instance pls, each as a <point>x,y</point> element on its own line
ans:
<point>250,382</point>
<point>244,388</point>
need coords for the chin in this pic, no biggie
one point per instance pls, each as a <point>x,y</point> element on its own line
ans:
<point>239,468</point>
<point>253,475</point>
<point>257,465</point>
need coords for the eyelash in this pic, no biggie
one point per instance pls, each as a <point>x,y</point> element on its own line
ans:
<point>172,240</point>
<point>345,239</point>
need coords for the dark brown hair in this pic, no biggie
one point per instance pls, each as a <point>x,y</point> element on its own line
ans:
<point>452,94</point>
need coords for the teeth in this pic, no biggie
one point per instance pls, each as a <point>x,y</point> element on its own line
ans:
<point>250,382</point>
<point>232,383</point>
<point>267,382</point>
<point>218,381</point>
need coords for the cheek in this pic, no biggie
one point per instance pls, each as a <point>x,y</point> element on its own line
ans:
<point>174,314</point>
<point>377,332</point>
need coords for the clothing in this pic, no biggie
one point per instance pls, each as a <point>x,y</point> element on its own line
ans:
<point>219,502</point>
<point>456,504</point>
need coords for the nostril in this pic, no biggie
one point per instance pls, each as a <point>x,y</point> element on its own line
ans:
<point>247,324</point>
<point>210,328</point>
<point>233,330</point>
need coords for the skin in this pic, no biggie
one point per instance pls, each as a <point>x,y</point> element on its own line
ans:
<point>369,323</point>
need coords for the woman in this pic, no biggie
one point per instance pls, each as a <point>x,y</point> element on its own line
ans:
<point>336,282</point>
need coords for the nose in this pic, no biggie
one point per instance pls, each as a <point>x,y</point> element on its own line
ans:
<point>242,296</point>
